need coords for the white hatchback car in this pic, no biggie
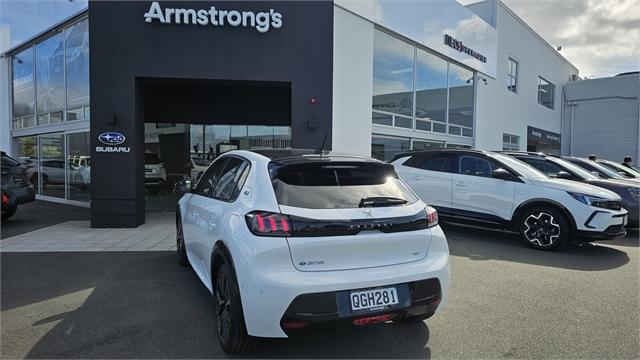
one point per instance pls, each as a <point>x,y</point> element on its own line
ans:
<point>292,239</point>
<point>497,190</point>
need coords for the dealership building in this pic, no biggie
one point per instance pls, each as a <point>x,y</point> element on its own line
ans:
<point>106,91</point>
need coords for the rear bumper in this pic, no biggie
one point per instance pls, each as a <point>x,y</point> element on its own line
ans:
<point>311,309</point>
<point>269,293</point>
<point>20,195</point>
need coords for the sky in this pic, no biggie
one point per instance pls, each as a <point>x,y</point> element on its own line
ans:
<point>600,37</point>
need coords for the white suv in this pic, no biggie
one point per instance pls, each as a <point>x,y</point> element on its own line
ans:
<point>288,240</point>
<point>497,190</point>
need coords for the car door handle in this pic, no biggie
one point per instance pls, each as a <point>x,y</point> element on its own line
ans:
<point>414,177</point>
<point>460,183</point>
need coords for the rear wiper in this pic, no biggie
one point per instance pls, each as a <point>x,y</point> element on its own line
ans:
<point>381,201</point>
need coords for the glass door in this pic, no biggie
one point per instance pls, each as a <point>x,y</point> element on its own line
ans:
<point>52,167</point>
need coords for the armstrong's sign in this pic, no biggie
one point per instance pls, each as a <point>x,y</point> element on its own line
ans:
<point>261,21</point>
<point>457,45</point>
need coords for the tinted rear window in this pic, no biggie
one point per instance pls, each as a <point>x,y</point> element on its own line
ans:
<point>336,185</point>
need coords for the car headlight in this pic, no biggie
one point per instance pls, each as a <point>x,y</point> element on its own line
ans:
<point>597,201</point>
<point>635,193</point>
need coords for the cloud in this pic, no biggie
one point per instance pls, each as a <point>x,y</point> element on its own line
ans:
<point>600,37</point>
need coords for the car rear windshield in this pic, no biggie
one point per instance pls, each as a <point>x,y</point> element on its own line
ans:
<point>339,185</point>
<point>151,159</point>
<point>9,161</point>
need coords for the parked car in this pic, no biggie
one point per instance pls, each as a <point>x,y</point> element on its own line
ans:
<point>155,175</point>
<point>628,172</point>
<point>288,240</point>
<point>16,190</point>
<point>596,168</point>
<point>496,190</point>
<point>556,167</point>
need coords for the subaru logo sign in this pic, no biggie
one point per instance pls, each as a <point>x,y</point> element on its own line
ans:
<point>111,138</point>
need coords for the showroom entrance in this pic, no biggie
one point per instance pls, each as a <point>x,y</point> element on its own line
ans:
<point>189,123</point>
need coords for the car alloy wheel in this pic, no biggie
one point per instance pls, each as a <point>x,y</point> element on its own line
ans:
<point>223,307</point>
<point>541,229</point>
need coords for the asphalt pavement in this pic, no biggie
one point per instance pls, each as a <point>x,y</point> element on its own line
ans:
<point>506,301</point>
<point>40,214</point>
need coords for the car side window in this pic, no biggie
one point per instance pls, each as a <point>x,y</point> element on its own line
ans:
<point>475,166</point>
<point>438,162</point>
<point>431,162</point>
<point>210,177</point>
<point>548,169</point>
<point>227,187</point>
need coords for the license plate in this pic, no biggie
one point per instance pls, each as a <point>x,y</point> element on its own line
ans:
<point>148,170</point>
<point>373,299</point>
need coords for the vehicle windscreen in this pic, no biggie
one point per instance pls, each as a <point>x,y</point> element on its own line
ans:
<point>521,167</point>
<point>630,171</point>
<point>151,159</point>
<point>606,171</point>
<point>339,185</point>
<point>574,168</point>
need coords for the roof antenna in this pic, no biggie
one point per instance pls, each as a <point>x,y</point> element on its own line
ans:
<point>320,150</point>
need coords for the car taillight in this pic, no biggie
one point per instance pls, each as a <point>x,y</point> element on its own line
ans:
<point>5,199</point>
<point>263,223</point>
<point>432,217</point>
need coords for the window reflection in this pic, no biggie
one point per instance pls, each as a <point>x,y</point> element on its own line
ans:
<point>431,88</point>
<point>23,84</point>
<point>384,148</point>
<point>50,75</point>
<point>51,172</point>
<point>392,75</point>
<point>209,141</point>
<point>444,92</point>
<point>460,96</point>
<point>77,63</point>
<point>79,166</point>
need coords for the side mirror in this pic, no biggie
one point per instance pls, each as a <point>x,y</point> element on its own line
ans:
<point>595,173</point>
<point>503,174</point>
<point>564,175</point>
<point>182,187</point>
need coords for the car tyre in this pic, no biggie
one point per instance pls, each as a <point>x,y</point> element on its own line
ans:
<point>181,248</point>
<point>545,227</point>
<point>9,213</point>
<point>230,325</point>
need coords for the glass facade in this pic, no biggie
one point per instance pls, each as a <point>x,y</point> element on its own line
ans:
<point>57,164</point>
<point>384,147</point>
<point>420,93</point>
<point>50,79</point>
<point>209,141</point>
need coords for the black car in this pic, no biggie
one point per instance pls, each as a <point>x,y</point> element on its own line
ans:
<point>16,189</point>
<point>556,167</point>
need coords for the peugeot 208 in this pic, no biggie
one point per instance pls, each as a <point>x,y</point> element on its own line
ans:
<point>288,240</point>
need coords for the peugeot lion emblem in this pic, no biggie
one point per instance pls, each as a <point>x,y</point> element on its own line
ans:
<point>111,138</point>
<point>367,213</point>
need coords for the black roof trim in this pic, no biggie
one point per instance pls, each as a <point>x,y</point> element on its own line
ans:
<point>298,156</point>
